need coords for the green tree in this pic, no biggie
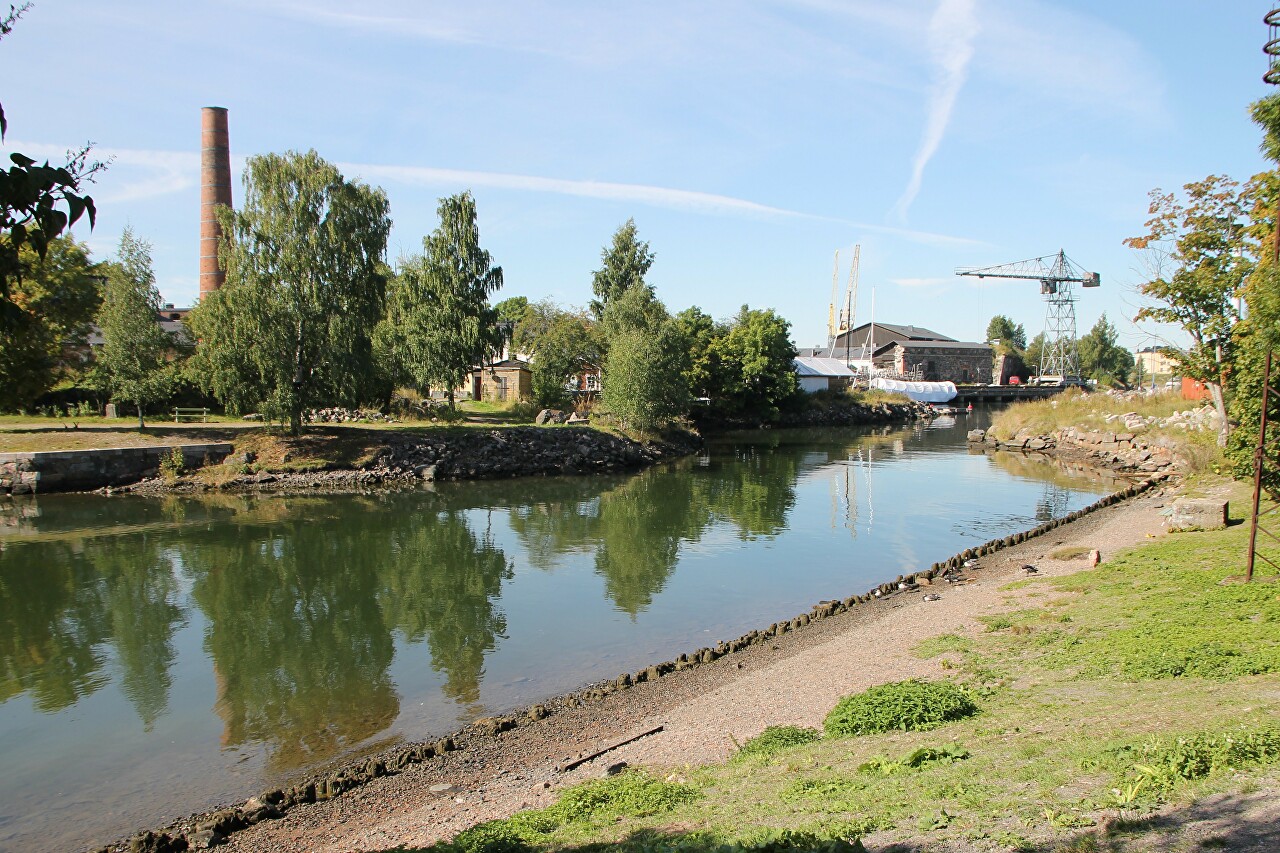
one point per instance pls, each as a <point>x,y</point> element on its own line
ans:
<point>1195,256</point>
<point>1259,332</point>
<point>441,324</point>
<point>305,287</point>
<point>1034,352</point>
<point>623,265</point>
<point>561,344</point>
<point>37,203</point>
<point>1012,336</point>
<point>1101,358</point>
<point>134,357</point>
<point>701,333</point>
<point>644,380</point>
<point>53,309</point>
<point>756,355</point>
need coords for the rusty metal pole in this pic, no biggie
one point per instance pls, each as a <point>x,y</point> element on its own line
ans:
<point>1259,455</point>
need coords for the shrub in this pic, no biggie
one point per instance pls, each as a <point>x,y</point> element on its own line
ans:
<point>902,705</point>
<point>774,739</point>
<point>172,464</point>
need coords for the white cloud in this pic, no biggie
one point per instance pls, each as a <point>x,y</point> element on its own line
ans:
<point>136,175</point>
<point>951,33</point>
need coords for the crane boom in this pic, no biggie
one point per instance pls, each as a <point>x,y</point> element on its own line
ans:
<point>1056,274</point>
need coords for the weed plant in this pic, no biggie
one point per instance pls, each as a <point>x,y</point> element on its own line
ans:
<point>901,705</point>
<point>775,739</point>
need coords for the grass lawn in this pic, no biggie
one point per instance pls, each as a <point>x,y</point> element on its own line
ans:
<point>1104,698</point>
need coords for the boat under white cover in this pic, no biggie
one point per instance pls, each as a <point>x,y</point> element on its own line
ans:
<point>921,392</point>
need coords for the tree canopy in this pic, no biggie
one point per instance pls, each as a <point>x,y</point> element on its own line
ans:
<point>133,358</point>
<point>440,322</point>
<point>1101,357</point>
<point>53,308</point>
<point>623,265</point>
<point>755,358</point>
<point>1012,335</point>
<point>305,286</point>
<point>1196,261</point>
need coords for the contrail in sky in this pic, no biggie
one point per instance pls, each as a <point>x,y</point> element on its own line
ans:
<point>951,32</point>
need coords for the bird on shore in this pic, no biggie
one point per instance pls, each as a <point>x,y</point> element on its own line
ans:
<point>970,564</point>
<point>1030,569</point>
<point>933,596</point>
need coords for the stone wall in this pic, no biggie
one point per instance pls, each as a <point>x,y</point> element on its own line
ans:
<point>82,470</point>
<point>1119,451</point>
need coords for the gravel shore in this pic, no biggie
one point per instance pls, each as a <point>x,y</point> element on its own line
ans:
<point>793,679</point>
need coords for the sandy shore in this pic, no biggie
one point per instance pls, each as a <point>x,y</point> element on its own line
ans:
<point>795,679</point>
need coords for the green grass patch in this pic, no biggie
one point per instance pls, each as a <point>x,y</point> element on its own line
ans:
<point>584,807</point>
<point>775,739</point>
<point>941,645</point>
<point>902,705</point>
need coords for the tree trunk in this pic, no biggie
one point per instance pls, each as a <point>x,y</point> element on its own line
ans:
<point>141,423</point>
<point>1219,401</point>
<point>299,380</point>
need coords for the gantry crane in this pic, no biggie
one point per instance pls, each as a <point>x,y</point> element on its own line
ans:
<point>1056,274</point>
<point>839,324</point>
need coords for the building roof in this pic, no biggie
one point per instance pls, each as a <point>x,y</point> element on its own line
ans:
<point>829,367</point>
<point>911,333</point>
<point>948,344</point>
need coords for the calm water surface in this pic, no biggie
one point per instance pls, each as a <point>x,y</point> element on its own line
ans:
<point>160,655</point>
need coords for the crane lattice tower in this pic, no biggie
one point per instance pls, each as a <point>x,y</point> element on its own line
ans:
<point>1057,275</point>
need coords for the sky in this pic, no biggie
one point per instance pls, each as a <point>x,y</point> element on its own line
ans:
<point>748,139</point>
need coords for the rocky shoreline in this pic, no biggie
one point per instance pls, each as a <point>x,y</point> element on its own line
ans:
<point>1122,452</point>
<point>466,750</point>
<point>503,453</point>
<point>471,454</point>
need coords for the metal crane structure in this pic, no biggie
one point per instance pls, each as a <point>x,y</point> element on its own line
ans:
<point>1056,274</point>
<point>839,324</point>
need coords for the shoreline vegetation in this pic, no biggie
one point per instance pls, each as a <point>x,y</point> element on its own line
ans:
<point>360,453</point>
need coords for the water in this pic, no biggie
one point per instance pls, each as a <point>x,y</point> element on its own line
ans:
<point>161,655</point>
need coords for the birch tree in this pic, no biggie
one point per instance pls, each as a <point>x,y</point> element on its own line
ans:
<point>306,283</point>
<point>135,350</point>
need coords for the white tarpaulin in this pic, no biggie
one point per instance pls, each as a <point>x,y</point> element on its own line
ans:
<point>921,392</point>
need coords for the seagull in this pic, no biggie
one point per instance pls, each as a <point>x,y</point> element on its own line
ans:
<point>933,596</point>
<point>970,564</point>
<point>1030,569</point>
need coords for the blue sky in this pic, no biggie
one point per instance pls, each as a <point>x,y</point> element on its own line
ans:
<point>749,140</point>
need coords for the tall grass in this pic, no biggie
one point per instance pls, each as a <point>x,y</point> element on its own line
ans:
<point>1079,409</point>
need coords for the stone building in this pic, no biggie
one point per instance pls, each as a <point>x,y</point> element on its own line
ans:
<point>509,380</point>
<point>937,361</point>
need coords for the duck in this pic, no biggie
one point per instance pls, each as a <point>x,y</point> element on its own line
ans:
<point>1030,569</point>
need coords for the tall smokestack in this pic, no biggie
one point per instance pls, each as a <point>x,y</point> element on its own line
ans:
<point>215,189</point>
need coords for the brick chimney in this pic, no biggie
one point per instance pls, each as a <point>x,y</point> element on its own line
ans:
<point>215,189</point>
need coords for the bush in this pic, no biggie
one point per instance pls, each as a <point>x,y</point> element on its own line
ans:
<point>902,705</point>
<point>775,739</point>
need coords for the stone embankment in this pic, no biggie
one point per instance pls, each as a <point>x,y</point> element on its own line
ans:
<point>1129,450</point>
<point>212,828</point>
<point>465,454</point>
<point>82,470</point>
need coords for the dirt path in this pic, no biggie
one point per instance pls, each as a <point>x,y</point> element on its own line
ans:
<point>796,680</point>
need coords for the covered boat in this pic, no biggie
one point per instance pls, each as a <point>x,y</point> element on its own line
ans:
<point>921,392</point>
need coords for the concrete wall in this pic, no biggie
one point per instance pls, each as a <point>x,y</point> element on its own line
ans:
<point>82,470</point>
